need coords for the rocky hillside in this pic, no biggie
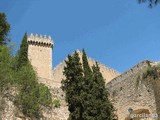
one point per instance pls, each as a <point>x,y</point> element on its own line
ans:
<point>8,111</point>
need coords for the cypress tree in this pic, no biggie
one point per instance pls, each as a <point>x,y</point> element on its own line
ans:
<point>86,67</point>
<point>72,86</point>
<point>85,90</point>
<point>95,96</point>
<point>23,52</point>
<point>87,94</point>
<point>102,109</point>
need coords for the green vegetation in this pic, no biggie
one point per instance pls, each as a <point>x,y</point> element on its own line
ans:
<point>85,90</point>
<point>4,29</point>
<point>23,53</point>
<point>16,71</point>
<point>151,71</point>
<point>32,95</point>
<point>73,85</point>
<point>151,2</point>
<point>56,103</point>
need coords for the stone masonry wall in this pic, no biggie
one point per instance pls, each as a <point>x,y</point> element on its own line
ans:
<point>126,91</point>
<point>40,55</point>
<point>108,73</point>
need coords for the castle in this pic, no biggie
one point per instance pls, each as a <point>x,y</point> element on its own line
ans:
<point>126,90</point>
<point>40,56</point>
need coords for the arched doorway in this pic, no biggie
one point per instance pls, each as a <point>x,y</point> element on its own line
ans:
<point>139,114</point>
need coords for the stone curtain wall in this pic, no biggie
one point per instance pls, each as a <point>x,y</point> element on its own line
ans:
<point>156,88</point>
<point>126,91</point>
<point>57,113</point>
<point>50,83</point>
<point>58,72</point>
<point>130,72</point>
<point>108,73</point>
<point>54,113</point>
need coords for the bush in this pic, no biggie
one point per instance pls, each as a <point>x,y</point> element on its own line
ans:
<point>56,103</point>
<point>150,72</point>
<point>44,95</point>
<point>32,94</point>
<point>5,71</point>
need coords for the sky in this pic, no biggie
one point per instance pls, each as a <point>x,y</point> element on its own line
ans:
<point>117,33</point>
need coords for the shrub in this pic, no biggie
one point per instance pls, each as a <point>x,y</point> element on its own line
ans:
<point>56,103</point>
<point>150,72</point>
<point>44,95</point>
<point>5,71</point>
<point>32,94</point>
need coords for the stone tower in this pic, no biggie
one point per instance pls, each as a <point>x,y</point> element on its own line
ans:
<point>40,55</point>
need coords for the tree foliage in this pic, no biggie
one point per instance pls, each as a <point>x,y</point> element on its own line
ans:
<point>5,71</point>
<point>86,67</point>
<point>150,2</point>
<point>72,86</point>
<point>85,90</point>
<point>23,52</point>
<point>31,95</point>
<point>4,29</point>
<point>102,109</point>
<point>56,103</point>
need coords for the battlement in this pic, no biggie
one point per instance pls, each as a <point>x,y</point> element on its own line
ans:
<point>40,40</point>
<point>40,54</point>
<point>108,73</point>
<point>103,66</point>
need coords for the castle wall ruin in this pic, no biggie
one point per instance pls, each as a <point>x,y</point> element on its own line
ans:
<point>127,91</point>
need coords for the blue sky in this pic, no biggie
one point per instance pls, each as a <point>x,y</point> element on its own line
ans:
<point>117,33</point>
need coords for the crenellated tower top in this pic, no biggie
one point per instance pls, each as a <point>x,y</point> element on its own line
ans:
<point>40,40</point>
<point>40,54</point>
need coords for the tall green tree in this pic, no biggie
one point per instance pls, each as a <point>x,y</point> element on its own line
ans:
<point>23,52</point>
<point>86,67</point>
<point>4,29</point>
<point>72,86</point>
<point>101,107</point>
<point>95,96</point>
<point>85,90</point>
<point>88,79</point>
